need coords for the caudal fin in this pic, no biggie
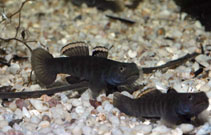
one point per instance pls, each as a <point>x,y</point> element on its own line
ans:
<point>124,104</point>
<point>40,64</point>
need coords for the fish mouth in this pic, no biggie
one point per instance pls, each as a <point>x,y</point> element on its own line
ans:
<point>132,78</point>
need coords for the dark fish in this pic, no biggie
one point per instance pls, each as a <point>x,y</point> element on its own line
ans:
<point>100,72</point>
<point>172,107</point>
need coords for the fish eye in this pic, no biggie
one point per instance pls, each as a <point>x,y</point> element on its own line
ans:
<point>122,68</point>
<point>190,97</point>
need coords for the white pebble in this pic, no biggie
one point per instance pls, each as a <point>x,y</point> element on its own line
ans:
<point>38,105</point>
<point>160,86</point>
<point>60,131</point>
<point>3,123</point>
<point>87,130</point>
<point>6,128</point>
<point>116,131</point>
<point>205,129</point>
<point>14,68</point>
<point>145,129</point>
<point>76,102</point>
<point>100,109</point>
<point>79,109</point>
<point>35,119</point>
<point>26,112</point>
<point>44,124</point>
<point>132,54</point>
<point>186,127</point>
<point>77,130</point>
<point>107,106</point>
<point>35,87</point>
<point>160,129</point>
<point>114,120</point>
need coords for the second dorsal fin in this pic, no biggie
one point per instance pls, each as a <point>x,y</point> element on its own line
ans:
<point>100,51</point>
<point>75,49</point>
<point>148,92</point>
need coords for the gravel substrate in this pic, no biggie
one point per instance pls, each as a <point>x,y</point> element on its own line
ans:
<point>160,34</point>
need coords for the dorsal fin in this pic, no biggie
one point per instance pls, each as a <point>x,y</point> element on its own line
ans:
<point>171,90</point>
<point>148,92</point>
<point>100,51</point>
<point>75,49</point>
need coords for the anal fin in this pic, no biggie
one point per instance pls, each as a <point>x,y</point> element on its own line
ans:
<point>75,49</point>
<point>100,51</point>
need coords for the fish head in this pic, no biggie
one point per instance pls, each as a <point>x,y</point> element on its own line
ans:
<point>122,73</point>
<point>191,104</point>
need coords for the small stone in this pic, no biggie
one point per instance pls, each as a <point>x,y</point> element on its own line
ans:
<point>101,117</point>
<point>77,130</point>
<point>46,118</point>
<point>116,131</point>
<point>3,123</point>
<point>38,105</point>
<point>186,127</point>
<point>87,130</point>
<point>35,119</point>
<point>145,129</point>
<point>44,124</point>
<point>26,112</point>
<point>14,69</point>
<point>114,120</point>
<point>132,54</point>
<point>12,106</point>
<point>76,102</point>
<point>20,103</point>
<point>79,109</point>
<point>161,129</point>
<point>6,128</point>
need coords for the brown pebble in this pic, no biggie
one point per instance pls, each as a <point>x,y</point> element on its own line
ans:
<point>46,118</point>
<point>95,103</point>
<point>20,103</point>
<point>53,102</point>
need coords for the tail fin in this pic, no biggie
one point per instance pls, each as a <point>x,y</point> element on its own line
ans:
<point>124,104</point>
<point>40,64</point>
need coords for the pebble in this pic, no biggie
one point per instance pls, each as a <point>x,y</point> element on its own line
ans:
<point>160,129</point>
<point>87,130</point>
<point>79,109</point>
<point>204,130</point>
<point>6,128</point>
<point>186,127</point>
<point>76,102</point>
<point>114,120</point>
<point>44,124</point>
<point>107,106</point>
<point>26,112</point>
<point>3,123</point>
<point>77,130</point>
<point>38,105</point>
<point>116,131</point>
<point>132,54</point>
<point>145,129</point>
<point>14,68</point>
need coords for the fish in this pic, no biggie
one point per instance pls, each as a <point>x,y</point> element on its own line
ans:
<point>102,74</point>
<point>172,108</point>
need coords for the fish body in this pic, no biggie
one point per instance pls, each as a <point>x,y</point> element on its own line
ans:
<point>100,72</point>
<point>172,107</point>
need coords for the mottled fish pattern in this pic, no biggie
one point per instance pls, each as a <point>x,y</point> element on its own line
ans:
<point>101,72</point>
<point>172,107</point>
